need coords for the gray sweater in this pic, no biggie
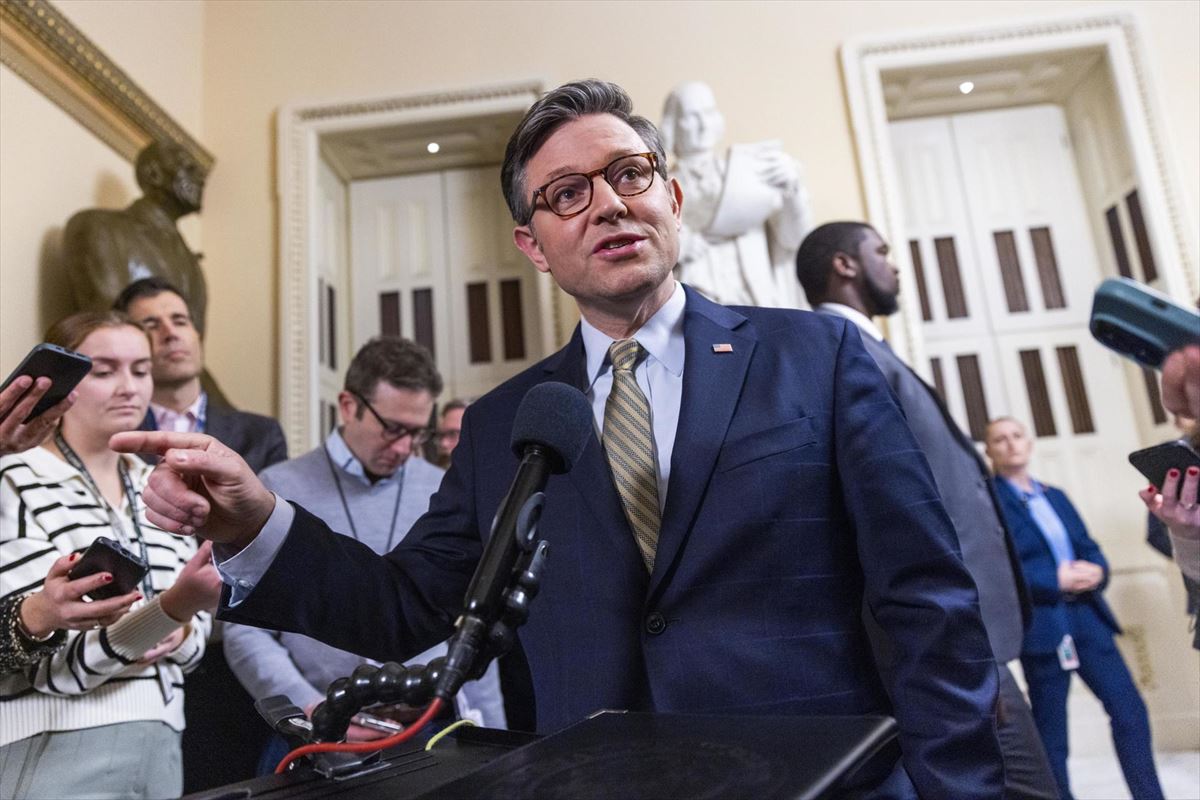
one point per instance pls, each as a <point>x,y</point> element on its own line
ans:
<point>275,662</point>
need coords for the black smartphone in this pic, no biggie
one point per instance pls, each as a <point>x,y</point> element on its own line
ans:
<point>106,555</point>
<point>1154,462</point>
<point>1141,323</point>
<point>65,368</point>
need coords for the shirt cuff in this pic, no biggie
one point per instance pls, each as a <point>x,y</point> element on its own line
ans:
<point>243,570</point>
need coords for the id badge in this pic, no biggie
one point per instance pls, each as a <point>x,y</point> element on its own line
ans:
<point>1068,659</point>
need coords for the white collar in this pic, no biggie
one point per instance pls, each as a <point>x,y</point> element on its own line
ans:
<point>661,336</point>
<point>860,319</point>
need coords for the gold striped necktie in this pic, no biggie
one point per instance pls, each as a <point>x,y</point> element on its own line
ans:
<point>629,447</point>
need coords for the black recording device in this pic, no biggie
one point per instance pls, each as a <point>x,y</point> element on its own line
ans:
<point>1141,323</point>
<point>1154,462</point>
<point>550,431</point>
<point>106,555</point>
<point>65,369</point>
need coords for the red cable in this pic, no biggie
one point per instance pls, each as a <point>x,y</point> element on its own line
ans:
<point>364,747</point>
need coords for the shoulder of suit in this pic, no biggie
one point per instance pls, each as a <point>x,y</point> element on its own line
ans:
<point>245,418</point>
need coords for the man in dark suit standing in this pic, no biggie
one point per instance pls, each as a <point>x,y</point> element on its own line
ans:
<point>845,271</point>
<point>749,486</point>
<point>223,733</point>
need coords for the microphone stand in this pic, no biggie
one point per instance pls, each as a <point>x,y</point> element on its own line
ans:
<point>479,639</point>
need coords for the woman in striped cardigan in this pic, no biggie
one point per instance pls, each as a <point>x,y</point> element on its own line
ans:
<point>101,716</point>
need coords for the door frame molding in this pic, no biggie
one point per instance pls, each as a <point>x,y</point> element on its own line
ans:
<point>1118,33</point>
<point>299,128</point>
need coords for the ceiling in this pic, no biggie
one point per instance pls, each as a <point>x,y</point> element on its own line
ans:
<point>401,150</point>
<point>999,83</point>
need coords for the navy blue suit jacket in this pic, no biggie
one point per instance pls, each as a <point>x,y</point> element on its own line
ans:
<point>796,494</point>
<point>1050,618</point>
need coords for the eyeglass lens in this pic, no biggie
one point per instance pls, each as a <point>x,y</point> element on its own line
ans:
<point>628,175</point>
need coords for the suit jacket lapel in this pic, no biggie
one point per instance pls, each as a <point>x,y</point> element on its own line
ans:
<point>712,384</point>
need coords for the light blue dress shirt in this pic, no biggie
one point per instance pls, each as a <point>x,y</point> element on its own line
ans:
<point>1048,521</point>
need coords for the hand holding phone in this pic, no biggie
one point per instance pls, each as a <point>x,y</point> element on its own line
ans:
<point>60,604</point>
<point>106,555</point>
<point>65,369</point>
<point>1154,462</point>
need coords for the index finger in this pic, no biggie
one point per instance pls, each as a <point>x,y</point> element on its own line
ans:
<point>158,442</point>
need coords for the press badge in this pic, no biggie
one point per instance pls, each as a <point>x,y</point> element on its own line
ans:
<point>1068,659</point>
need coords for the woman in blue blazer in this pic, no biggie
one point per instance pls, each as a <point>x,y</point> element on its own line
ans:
<point>1072,627</point>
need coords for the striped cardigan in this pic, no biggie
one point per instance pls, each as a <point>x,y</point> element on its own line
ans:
<point>47,511</point>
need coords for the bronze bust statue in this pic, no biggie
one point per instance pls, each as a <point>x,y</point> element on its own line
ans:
<point>104,251</point>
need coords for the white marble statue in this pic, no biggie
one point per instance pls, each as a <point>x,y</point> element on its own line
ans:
<point>745,210</point>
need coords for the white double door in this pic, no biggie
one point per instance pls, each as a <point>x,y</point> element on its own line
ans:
<point>432,260</point>
<point>1005,266</point>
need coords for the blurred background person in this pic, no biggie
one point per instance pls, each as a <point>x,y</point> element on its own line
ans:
<point>1072,628</point>
<point>102,716</point>
<point>445,439</point>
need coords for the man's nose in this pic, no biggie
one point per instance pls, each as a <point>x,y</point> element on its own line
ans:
<point>606,203</point>
<point>403,446</point>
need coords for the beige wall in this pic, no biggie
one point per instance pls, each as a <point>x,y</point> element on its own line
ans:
<point>774,67</point>
<point>51,166</point>
<point>222,68</point>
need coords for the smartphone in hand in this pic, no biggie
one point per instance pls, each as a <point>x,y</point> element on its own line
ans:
<point>1141,323</point>
<point>106,555</point>
<point>65,368</point>
<point>1154,462</point>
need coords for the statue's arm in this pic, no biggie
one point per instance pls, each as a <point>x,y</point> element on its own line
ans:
<point>793,220</point>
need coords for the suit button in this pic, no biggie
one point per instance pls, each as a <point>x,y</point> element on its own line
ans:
<point>655,623</point>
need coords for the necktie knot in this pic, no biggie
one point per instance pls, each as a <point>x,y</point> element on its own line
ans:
<point>624,353</point>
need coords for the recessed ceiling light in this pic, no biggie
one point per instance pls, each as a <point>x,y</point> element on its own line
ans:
<point>966,87</point>
<point>433,147</point>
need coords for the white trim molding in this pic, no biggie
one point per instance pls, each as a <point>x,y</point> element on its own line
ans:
<point>298,130</point>
<point>1118,34</point>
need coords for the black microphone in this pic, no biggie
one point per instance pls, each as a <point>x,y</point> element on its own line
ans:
<point>549,434</point>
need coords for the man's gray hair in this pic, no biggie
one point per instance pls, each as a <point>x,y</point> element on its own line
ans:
<point>554,109</point>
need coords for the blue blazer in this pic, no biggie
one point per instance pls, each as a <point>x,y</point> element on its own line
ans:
<point>796,495</point>
<point>1051,619</point>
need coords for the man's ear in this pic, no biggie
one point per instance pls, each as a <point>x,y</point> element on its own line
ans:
<point>347,405</point>
<point>844,266</point>
<point>527,243</point>
<point>676,192</point>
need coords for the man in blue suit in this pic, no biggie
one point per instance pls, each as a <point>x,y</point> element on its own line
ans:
<point>777,497</point>
<point>1072,628</point>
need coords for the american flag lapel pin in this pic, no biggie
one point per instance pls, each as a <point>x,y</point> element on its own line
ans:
<point>723,347</point>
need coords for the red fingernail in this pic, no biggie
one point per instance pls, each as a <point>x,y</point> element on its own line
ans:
<point>139,597</point>
<point>73,556</point>
<point>1193,470</point>
<point>1152,488</point>
<point>1172,473</point>
<point>107,579</point>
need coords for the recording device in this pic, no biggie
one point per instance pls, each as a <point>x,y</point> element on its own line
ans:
<point>1154,462</point>
<point>551,430</point>
<point>106,555</point>
<point>65,368</point>
<point>1141,323</point>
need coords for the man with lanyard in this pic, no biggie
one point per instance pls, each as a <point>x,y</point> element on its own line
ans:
<point>222,739</point>
<point>365,481</point>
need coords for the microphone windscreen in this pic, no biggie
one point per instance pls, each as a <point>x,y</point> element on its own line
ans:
<point>556,416</point>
